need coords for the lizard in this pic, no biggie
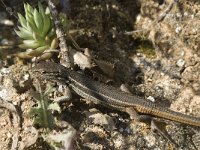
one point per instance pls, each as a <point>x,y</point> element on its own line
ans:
<point>110,96</point>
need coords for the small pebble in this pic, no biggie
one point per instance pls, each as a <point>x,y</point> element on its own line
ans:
<point>6,42</point>
<point>7,22</point>
<point>26,77</point>
<point>185,14</point>
<point>180,63</point>
<point>9,135</point>
<point>178,30</point>
<point>5,70</point>
<point>192,16</point>
<point>178,15</point>
<point>15,103</point>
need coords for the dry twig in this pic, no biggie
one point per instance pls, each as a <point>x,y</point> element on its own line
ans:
<point>64,51</point>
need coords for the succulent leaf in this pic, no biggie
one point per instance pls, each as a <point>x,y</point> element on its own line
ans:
<point>54,43</point>
<point>25,31</point>
<point>31,21</point>
<point>23,55</point>
<point>38,20</point>
<point>45,56</point>
<point>38,51</point>
<point>25,9</point>
<point>41,9</point>
<point>29,8</point>
<point>37,37</point>
<point>31,43</point>
<point>22,20</point>
<point>47,24</point>
<point>52,33</point>
<point>24,35</point>
<point>47,11</point>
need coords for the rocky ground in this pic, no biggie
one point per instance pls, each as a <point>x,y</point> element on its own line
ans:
<point>152,46</point>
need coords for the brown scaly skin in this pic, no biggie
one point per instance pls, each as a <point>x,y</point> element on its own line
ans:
<point>107,95</point>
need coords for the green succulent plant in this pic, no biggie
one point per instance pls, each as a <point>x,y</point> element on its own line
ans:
<point>37,31</point>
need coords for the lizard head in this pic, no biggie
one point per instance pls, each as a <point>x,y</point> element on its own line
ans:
<point>49,70</point>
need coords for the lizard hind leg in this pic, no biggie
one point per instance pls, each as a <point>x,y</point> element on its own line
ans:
<point>137,117</point>
<point>158,126</point>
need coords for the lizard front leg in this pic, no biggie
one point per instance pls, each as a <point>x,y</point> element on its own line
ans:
<point>67,95</point>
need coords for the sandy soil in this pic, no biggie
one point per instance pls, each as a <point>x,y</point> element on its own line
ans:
<point>157,56</point>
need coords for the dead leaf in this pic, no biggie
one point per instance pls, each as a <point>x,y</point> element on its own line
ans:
<point>106,67</point>
<point>101,119</point>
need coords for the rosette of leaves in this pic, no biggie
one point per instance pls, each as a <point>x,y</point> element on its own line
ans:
<point>37,31</point>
